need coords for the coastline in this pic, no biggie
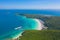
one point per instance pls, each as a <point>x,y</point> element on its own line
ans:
<point>17,36</point>
<point>39,26</point>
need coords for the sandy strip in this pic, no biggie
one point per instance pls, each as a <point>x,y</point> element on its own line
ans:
<point>40,25</point>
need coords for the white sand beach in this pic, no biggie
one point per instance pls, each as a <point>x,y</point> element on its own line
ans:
<point>40,24</point>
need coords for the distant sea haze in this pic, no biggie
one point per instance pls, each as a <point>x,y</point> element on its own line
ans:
<point>55,12</point>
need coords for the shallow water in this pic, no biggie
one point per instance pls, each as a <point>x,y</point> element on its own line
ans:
<point>8,23</point>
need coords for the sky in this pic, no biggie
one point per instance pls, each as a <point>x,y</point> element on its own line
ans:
<point>29,4</point>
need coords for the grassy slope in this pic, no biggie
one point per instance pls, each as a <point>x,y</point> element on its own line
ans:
<point>41,35</point>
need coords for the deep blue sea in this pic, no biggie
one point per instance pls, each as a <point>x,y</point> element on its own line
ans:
<point>9,21</point>
<point>45,12</point>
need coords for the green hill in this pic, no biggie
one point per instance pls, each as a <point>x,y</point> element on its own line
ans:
<point>41,35</point>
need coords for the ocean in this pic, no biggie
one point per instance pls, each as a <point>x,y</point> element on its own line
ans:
<point>12,25</point>
<point>55,12</point>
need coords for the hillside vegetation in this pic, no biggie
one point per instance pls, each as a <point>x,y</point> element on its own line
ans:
<point>41,35</point>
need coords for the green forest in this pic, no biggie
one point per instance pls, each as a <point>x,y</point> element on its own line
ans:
<point>41,35</point>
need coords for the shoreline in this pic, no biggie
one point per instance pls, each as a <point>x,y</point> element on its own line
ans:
<point>17,36</point>
<point>39,26</point>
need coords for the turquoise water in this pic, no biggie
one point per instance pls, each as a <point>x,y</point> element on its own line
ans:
<point>8,23</point>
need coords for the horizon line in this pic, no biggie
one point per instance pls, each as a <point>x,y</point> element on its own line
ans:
<point>29,9</point>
